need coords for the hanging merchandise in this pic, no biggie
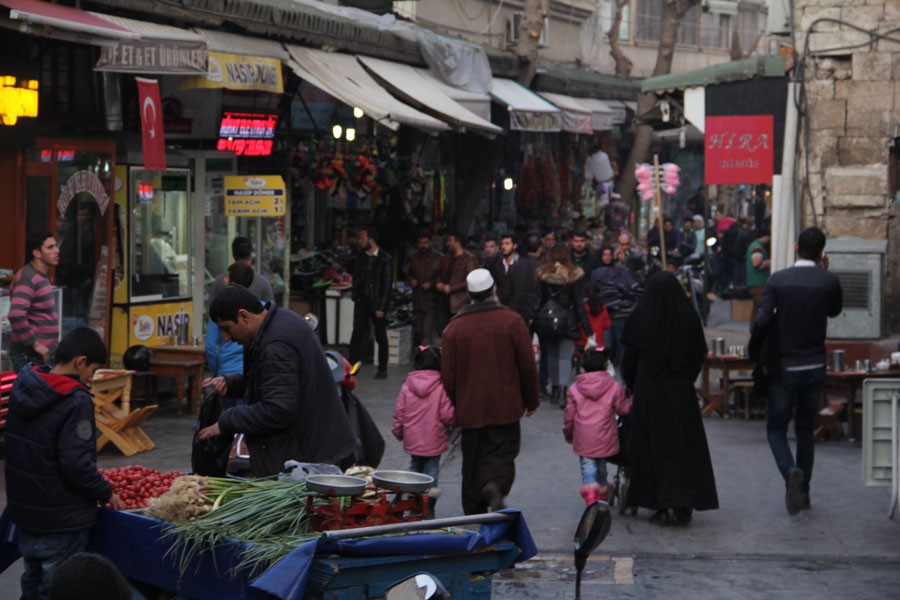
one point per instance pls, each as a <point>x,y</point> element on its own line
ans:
<point>438,195</point>
<point>528,190</point>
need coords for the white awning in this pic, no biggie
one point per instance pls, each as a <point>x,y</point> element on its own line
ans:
<point>161,49</point>
<point>421,89</point>
<point>64,22</point>
<point>605,114</point>
<point>575,116</point>
<point>220,41</point>
<point>527,110</point>
<point>342,76</point>
<point>480,104</point>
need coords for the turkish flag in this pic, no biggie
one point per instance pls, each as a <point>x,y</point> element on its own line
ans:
<point>154,145</point>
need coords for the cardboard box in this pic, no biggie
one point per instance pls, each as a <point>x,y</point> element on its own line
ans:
<point>741,310</point>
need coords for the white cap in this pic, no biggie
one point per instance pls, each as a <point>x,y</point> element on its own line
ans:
<point>479,280</point>
<point>698,218</point>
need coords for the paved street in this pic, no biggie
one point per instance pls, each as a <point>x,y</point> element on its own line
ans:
<point>749,548</point>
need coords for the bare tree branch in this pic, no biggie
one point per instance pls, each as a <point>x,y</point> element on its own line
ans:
<point>623,63</point>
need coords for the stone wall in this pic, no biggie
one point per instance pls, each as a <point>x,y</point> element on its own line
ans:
<point>852,118</point>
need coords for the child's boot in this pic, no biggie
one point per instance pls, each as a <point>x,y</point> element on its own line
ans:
<point>603,493</point>
<point>590,492</point>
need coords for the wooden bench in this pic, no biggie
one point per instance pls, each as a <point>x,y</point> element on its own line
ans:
<point>116,422</point>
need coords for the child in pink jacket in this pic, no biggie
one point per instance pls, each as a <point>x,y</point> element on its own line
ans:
<point>424,415</point>
<point>590,425</point>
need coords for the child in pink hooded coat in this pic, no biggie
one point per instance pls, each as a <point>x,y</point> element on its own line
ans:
<point>424,416</point>
<point>590,425</point>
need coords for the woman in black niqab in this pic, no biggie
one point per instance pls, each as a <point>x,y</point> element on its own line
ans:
<point>664,352</point>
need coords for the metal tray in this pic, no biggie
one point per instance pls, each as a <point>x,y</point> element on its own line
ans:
<point>336,485</point>
<point>402,481</point>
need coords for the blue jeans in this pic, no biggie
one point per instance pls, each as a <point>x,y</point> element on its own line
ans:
<point>428,465</point>
<point>43,553</point>
<point>800,390</point>
<point>593,470</point>
<point>613,340</point>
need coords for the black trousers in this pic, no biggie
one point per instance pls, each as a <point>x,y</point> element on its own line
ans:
<point>489,455</point>
<point>359,340</point>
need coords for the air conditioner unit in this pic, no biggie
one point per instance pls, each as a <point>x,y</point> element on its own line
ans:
<point>779,20</point>
<point>859,265</point>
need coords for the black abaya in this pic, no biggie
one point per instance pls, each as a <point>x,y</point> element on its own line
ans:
<point>664,352</point>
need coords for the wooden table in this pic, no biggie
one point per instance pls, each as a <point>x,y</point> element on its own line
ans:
<point>180,363</point>
<point>726,363</point>
<point>848,383</point>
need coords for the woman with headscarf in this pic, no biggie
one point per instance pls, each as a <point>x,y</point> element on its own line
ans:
<point>664,352</point>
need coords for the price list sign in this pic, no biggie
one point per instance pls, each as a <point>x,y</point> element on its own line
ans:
<point>255,196</point>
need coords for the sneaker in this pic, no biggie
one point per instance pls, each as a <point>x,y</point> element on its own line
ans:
<point>794,496</point>
<point>381,375</point>
<point>805,504</point>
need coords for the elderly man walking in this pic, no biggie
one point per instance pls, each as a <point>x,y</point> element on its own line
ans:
<point>489,373</point>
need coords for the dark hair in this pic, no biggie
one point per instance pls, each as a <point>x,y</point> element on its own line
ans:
<point>811,243</point>
<point>491,238</point>
<point>427,358</point>
<point>423,234</point>
<point>595,298</point>
<point>241,248</point>
<point>372,232</point>
<point>81,341</point>
<point>550,232</point>
<point>511,236</point>
<point>456,236</point>
<point>85,575</point>
<point>532,243</point>
<point>668,220</point>
<point>580,233</point>
<point>231,300</point>
<point>240,274</point>
<point>594,360</point>
<point>763,230</point>
<point>480,296</point>
<point>35,241</point>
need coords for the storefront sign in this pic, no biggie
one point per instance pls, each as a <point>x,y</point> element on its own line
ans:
<point>245,147</point>
<point>239,72</point>
<point>254,196</point>
<point>17,100</point>
<point>739,149</point>
<point>154,56</point>
<point>83,181</point>
<point>154,324</point>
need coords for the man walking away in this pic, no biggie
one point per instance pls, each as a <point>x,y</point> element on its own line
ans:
<point>371,292</point>
<point>422,278</point>
<point>486,339</point>
<point>32,311</point>
<point>794,310</point>
<point>242,252</point>
<point>522,289</point>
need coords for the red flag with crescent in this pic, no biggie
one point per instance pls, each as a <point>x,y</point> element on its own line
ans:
<point>154,145</point>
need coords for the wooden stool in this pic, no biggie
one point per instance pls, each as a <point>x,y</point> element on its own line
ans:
<point>743,390</point>
<point>180,369</point>
<point>118,424</point>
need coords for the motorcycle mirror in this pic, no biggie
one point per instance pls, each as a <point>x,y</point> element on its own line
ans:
<point>592,529</point>
<point>311,320</point>
<point>355,368</point>
<point>421,586</point>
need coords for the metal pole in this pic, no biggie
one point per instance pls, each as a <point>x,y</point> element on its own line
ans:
<point>659,217</point>
<point>358,532</point>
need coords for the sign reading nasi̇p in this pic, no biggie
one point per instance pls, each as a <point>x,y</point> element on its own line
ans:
<point>739,149</point>
<point>254,196</point>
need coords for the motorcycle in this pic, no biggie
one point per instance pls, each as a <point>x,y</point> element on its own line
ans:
<point>692,276</point>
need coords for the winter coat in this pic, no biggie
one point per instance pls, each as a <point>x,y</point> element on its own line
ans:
<point>372,279</point>
<point>521,290</point>
<point>566,287</point>
<point>423,415</point>
<point>487,366</point>
<point>589,420</point>
<point>599,323</point>
<point>424,268</point>
<point>619,290</point>
<point>453,271</point>
<point>291,408</point>
<point>52,481</point>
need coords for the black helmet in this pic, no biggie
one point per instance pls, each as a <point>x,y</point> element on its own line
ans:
<point>137,358</point>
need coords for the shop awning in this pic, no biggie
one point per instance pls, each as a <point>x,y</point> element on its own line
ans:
<point>527,110</point>
<point>737,70</point>
<point>86,27</point>
<point>575,117</point>
<point>605,114</point>
<point>480,104</point>
<point>421,89</point>
<point>342,76</point>
<point>161,49</point>
<point>238,62</point>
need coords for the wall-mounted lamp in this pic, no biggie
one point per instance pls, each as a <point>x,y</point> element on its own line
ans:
<point>337,131</point>
<point>351,134</point>
<point>508,184</point>
<point>357,112</point>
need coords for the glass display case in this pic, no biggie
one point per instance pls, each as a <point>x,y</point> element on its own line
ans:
<point>160,235</point>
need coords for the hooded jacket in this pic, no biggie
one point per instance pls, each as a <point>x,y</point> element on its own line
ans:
<point>589,420</point>
<point>52,481</point>
<point>566,287</point>
<point>423,415</point>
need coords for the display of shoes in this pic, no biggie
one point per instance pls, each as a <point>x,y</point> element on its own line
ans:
<point>793,496</point>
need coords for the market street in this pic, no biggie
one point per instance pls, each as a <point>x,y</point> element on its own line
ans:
<point>750,548</point>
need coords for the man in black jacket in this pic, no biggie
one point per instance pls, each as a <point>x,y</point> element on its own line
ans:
<point>291,409</point>
<point>371,290</point>
<point>522,292</point>
<point>52,481</point>
<point>800,299</point>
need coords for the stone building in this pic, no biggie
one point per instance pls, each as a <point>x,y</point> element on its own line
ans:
<point>848,169</point>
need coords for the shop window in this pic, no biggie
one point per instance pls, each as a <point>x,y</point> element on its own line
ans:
<point>750,26</point>
<point>59,66</point>
<point>608,15</point>
<point>648,20</point>
<point>687,29</point>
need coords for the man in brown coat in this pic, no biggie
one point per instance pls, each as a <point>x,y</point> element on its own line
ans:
<point>488,370</point>
<point>424,266</point>
<point>457,263</point>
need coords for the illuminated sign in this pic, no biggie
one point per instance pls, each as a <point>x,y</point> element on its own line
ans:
<point>17,100</point>
<point>61,155</point>
<point>145,192</point>
<point>254,196</point>
<point>247,134</point>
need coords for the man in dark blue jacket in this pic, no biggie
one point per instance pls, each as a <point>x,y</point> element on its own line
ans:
<point>291,409</point>
<point>372,281</point>
<point>52,481</point>
<point>799,299</point>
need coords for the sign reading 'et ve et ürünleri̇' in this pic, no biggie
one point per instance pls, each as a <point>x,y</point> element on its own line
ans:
<point>254,196</point>
<point>739,149</point>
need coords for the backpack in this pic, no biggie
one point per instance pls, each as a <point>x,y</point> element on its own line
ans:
<point>552,321</point>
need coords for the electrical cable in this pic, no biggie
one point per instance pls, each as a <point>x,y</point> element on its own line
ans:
<point>494,18</point>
